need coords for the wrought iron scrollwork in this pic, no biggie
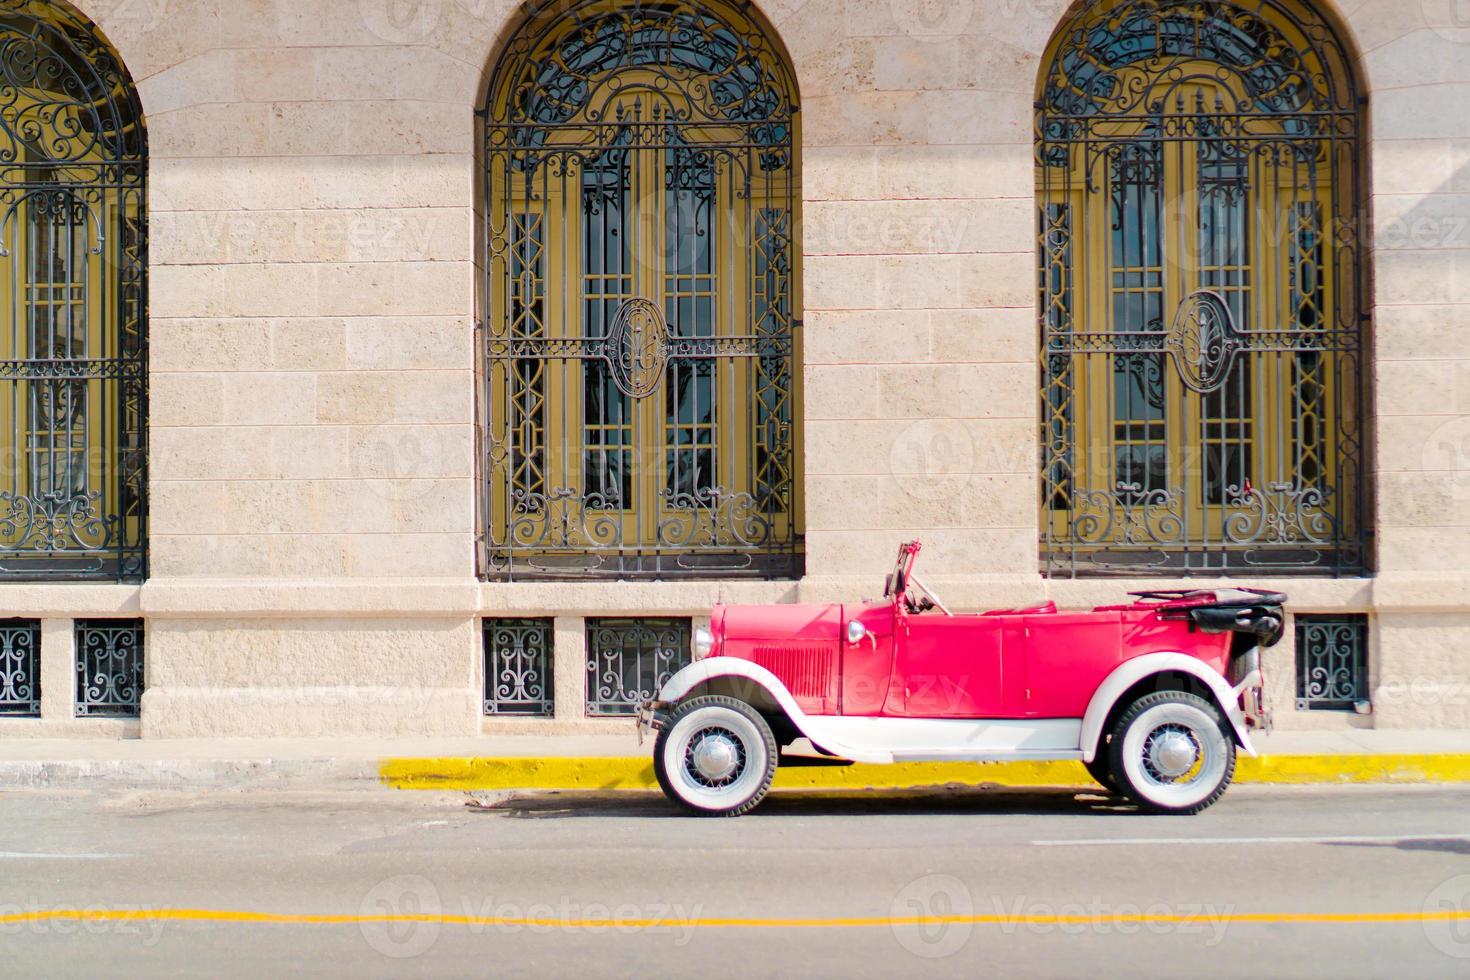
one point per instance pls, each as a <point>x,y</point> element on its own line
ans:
<point>20,668</point>
<point>629,660</point>
<point>1202,292</point>
<point>109,668</point>
<point>1203,341</point>
<point>638,348</point>
<point>73,244</point>
<point>640,353</point>
<point>518,667</point>
<point>1331,661</point>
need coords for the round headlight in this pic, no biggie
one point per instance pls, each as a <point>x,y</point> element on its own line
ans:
<point>704,642</point>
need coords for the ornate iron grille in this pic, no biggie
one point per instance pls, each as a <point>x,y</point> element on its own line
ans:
<point>1201,292</point>
<point>628,661</point>
<point>109,667</point>
<point>1331,661</point>
<point>518,659</point>
<point>640,342</point>
<point>20,668</point>
<point>73,240</point>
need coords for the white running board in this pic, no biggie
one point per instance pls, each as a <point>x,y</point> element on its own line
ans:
<point>944,740</point>
<point>940,755</point>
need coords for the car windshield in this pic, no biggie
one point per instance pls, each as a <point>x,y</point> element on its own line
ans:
<point>898,580</point>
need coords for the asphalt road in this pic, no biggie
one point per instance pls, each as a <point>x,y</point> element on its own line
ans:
<point>1271,882</point>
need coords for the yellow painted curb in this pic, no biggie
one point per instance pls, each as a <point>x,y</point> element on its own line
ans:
<point>596,773</point>
<point>585,772</point>
<point>1427,768</point>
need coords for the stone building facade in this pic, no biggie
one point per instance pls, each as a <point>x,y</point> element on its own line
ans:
<point>334,296</point>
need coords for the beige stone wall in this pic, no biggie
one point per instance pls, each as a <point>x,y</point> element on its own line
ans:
<point>313,293</point>
<point>356,675</point>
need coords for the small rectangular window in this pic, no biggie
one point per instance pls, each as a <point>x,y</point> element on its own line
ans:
<point>1331,661</point>
<point>109,667</point>
<point>628,660</point>
<point>20,668</point>
<point>518,659</point>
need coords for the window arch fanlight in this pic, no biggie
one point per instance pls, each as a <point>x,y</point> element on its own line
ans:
<point>1201,288</point>
<point>73,318</point>
<point>641,353</point>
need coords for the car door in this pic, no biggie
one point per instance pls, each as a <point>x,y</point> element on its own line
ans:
<point>947,667</point>
<point>1067,655</point>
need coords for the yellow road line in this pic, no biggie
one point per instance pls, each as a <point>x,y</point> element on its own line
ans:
<point>613,773</point>
<point>715,922</point>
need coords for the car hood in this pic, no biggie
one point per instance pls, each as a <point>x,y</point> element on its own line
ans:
<point>779,622</point>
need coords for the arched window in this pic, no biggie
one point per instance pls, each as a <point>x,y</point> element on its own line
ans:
<point>1201,278</point>
<point>641,360</point>
<point>73,311</point>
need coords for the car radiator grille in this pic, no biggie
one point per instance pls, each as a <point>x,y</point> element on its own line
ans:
<point>805,669</point>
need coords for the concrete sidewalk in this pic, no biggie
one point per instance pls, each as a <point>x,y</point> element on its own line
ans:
<point>569,762</point>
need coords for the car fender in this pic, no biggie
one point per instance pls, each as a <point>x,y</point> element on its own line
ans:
<point>1141,668</point>
<point>701,672</point>
<point>751,676</point>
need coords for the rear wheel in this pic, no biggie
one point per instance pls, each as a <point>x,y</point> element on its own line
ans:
<point>1171,752</point>
<point>715,757</point>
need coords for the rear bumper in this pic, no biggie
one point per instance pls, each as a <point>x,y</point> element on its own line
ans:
<point>1253,706</point>
<point>1249,689</point>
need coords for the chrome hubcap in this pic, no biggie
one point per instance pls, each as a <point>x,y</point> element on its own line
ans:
<point>1172,752</point>
<point>714,756</point>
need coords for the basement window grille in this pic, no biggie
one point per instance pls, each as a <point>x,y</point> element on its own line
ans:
<point>109,668</point>
<point>1331,662</point>
<point>628,660</point>
<point>518,677</point>
<point>20,668</point>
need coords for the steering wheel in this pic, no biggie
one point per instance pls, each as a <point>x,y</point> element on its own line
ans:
<point>917,605</point>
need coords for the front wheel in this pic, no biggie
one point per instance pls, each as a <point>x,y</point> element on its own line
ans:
<point>1171,753</point>
<point>716,756</point>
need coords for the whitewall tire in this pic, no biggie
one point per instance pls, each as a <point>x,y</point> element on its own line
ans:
<point>1101,770</point>
<point>1171,752</point>
<point>716,756</point>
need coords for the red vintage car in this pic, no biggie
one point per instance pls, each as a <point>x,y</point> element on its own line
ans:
<point>1152,696</point>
